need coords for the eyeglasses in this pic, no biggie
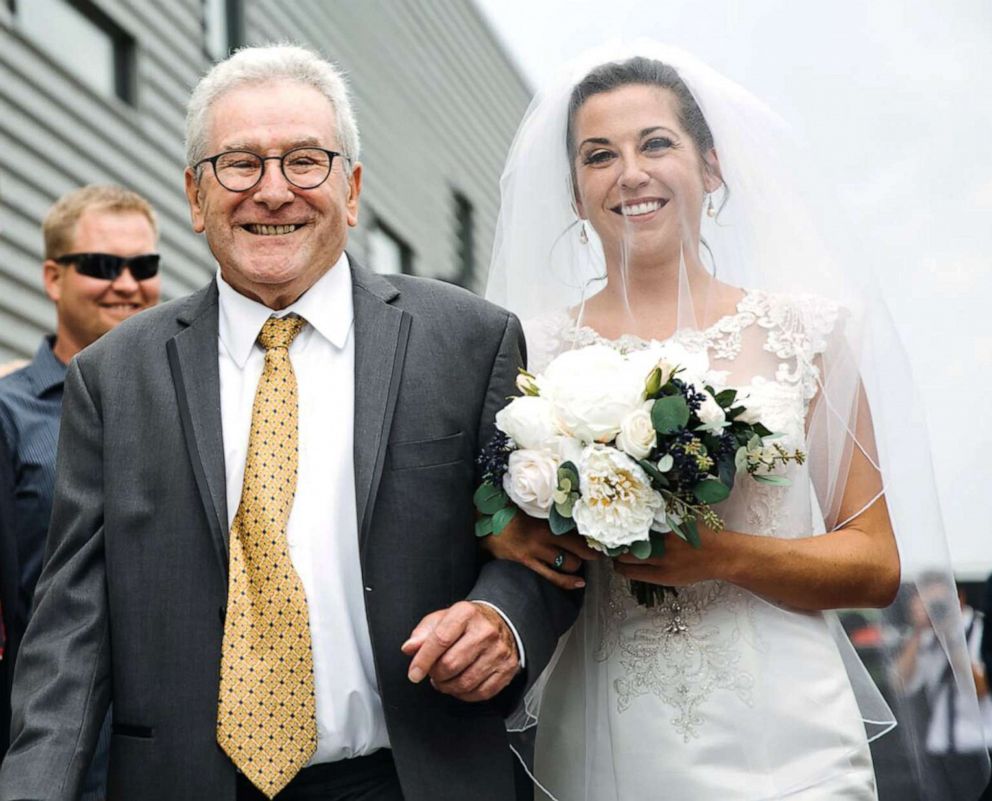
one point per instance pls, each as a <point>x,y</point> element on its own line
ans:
<point>107,266</point>
<point>241,170</point>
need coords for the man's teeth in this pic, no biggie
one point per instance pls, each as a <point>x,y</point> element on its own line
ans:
<point>271,230</point>
<point>641,208</point>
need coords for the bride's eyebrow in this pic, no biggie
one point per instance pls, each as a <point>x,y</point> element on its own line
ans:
<point>648,131</point>
<point>594,140</point>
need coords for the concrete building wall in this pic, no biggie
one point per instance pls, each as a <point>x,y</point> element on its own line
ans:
<point>437,101</point>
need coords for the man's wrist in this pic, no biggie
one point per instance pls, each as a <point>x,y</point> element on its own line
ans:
<point>497,615</point>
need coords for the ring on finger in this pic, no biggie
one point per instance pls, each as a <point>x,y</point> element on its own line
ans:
<point>559,561</point>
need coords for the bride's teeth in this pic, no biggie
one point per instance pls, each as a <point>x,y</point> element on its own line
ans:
<point>641,208</point>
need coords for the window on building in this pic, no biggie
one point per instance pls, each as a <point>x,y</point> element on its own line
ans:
<point>387,252</point>
<point>223,27</point>
<point>465,231</point>
<point>81,37</point>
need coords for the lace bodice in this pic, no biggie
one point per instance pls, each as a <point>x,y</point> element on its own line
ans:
<point>691,646</point>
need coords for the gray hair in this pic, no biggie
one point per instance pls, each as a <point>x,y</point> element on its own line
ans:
<point>259,65</point>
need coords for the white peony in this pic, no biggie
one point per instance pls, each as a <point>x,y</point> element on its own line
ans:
<point>711,414</point>
<point>637,435</point>
<point>591,390</point>
<point>527,421</point>
<point>568,449</point>
<point>531,480</point>
<point>617,504</point>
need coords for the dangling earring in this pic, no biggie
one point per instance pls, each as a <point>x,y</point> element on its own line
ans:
<point>710,210</point>
<point>583,236</point>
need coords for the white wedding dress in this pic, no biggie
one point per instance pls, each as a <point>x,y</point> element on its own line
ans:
<point>715,694</point>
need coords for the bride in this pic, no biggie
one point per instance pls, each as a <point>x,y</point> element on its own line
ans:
<point>648,200</point>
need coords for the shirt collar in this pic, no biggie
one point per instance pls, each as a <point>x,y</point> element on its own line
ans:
<point>327,306</point>
<point>46,371</point>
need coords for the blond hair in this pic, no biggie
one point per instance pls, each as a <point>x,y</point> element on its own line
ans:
<point>59,225</point>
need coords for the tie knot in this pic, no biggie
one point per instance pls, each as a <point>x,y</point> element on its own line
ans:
<point>279,332</point>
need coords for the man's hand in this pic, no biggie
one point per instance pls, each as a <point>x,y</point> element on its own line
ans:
<point>467,649</point>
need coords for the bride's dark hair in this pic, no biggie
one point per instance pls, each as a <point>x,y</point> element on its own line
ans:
<point>645,71</point>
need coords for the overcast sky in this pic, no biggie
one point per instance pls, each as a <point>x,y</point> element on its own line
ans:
<point>896,100</point>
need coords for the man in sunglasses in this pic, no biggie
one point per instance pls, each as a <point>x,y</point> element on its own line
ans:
<point>101,267</point>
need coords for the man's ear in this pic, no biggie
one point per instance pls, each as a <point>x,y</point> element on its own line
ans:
<point>354,191</point>
<point>51,276</point>
<point>712,175</point>
<point>192,187</point>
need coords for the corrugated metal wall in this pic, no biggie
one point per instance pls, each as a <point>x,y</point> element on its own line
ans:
<point>436,97</point>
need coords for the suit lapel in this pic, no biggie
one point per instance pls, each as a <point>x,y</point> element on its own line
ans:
<point>381,333</point>
<point>195,373</point>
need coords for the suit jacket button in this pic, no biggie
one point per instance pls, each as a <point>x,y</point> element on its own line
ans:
<point>368,589</point>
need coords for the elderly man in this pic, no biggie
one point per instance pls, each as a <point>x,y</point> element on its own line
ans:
<point>262,541</point>
<point>100,268</point>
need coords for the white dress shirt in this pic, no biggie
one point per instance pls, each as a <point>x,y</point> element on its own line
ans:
<point>322,530</point>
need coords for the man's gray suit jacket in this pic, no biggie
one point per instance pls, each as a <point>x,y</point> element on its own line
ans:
<point>132,598</point>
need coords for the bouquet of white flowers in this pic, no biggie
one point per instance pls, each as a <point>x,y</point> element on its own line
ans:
<point>622,449</point>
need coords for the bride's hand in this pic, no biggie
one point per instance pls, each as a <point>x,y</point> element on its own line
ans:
<point>681,564</point>
<point>531,543</point>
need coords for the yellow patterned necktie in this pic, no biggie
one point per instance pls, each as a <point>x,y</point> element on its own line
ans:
<point>266,720</point>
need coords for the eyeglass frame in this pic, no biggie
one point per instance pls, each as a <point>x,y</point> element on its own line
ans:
<point>122,263</point>
<point>212,160</point>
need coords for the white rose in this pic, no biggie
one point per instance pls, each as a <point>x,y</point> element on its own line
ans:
<point>617,504</point>
<point>637,435</point>
<point>531,480</point>
<point>711,414</point>
<point>527,421</point>
<point>591,390</point>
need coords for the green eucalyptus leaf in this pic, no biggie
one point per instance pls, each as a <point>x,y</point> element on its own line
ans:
<point>725,398</point>
<point>740,459</point>
<point>484,526</point>
<point>502,518</point>
<point>489,498</point>
<point>641,549</point>
<point>653,472</point>
<point>669,414</point>
<point>666,463</point>
<point>760,430</point>
<point>712,490</point>
<point>778,481</point>
<point>691,533</point>
<point>727,470</point>
<point>657,545</point>
<point>571,472</point>
<point>560,524</point>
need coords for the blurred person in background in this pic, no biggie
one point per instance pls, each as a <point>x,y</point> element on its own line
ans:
<point>100,268</point>
<point>924,675</point>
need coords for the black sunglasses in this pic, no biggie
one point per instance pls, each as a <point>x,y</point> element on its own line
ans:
<point>108,267</point>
